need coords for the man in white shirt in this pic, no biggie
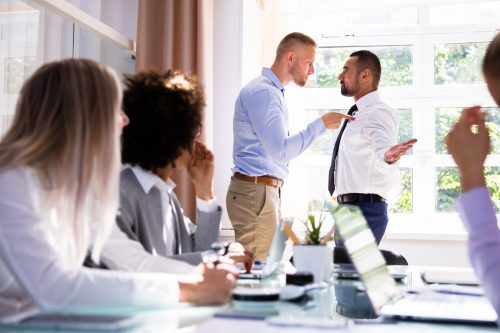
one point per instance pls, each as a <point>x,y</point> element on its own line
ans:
<point>363,168</point>
<point>152,233</point>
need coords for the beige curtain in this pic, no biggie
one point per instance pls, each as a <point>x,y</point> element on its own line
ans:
<point>178,34</point>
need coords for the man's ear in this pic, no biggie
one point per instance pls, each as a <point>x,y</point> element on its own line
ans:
<point>289,56</point>
<point>366,75</point>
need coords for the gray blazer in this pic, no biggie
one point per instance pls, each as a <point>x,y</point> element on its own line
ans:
<point>141,218</point>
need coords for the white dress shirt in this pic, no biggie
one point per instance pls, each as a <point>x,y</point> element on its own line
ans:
<point>35,276</point>
<point>125,254</point>
<point>360,162</point>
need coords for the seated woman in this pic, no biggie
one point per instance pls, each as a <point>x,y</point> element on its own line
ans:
<point>166,113</point>
<point>469,144</point>
<point>59,171</point>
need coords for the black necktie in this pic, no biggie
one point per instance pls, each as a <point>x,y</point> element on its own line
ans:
<point>331,174</point>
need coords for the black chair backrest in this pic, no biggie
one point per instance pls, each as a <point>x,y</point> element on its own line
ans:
<point>340,256</point>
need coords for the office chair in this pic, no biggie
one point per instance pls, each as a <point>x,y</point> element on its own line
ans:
<point>340,256</point>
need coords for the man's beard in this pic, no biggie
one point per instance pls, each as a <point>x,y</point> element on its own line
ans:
<point>300,81</point>
<point>346,91</point>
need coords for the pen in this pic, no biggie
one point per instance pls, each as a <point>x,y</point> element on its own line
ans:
<point>458,292</point>
<point>290,233</point>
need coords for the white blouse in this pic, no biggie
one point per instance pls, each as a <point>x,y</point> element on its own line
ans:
<point>35,278</point>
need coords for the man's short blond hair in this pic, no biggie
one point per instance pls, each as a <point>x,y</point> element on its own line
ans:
<point>289,42</point>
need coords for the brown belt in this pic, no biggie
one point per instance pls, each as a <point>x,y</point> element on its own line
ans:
<point>264,180</point>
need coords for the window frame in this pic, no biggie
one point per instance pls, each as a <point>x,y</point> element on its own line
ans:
<point>422,95</point>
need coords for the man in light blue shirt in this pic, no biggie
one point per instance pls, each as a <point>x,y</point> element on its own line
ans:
<point>263,145</point>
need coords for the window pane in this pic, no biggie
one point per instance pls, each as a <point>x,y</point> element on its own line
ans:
<point>404,203</point>
<point>458,63</point>
<point>446,117</point>
<point>17,70</point>
<point>319,18</point>
<point>405,126</point>
<point>477,13</point>
<point>448,187</point>
<point>317,183</point>
<point>396,62</point>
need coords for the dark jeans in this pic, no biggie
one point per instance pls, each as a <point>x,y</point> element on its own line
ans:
<point>375,214</point>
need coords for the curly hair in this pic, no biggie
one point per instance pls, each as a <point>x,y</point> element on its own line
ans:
<point>165,112</point>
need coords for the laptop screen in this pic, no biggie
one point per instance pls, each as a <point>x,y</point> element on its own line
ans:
<point>361,246</point>
<point>276,250</point>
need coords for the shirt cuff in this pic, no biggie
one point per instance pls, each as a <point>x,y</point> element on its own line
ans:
<point>207,206</point>
<point>476,209</point>
<point>318,126</point>
<point>385,167</point>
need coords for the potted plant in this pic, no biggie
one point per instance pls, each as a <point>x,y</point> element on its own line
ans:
<point>313,255</point>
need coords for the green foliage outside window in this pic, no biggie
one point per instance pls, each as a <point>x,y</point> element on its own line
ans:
<point>448,181</point>
<point>446,117</point>
<point>404,203</point>
<point>458,63</point>
<point>448,187</point>
<point>396,62</point>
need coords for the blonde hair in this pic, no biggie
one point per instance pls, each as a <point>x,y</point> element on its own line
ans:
<point>66,130</point>
<point>290,42</point>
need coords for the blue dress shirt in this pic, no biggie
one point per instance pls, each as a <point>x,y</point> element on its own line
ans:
<point>262,141</point>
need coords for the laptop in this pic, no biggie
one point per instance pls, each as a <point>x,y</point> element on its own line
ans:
<point>348,271</point>
<point>391,301</point>
<point>273,260</point>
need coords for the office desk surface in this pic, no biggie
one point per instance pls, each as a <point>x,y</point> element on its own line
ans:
<point>186,318</point>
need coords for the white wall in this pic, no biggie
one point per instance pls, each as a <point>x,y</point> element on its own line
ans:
<point>227,83</point>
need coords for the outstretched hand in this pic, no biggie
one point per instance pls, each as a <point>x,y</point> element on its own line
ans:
<point>394,153</point>
<point>332,120</point>
<point>201,170</point>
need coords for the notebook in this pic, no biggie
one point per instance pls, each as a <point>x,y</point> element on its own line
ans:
<point>76,322</point>
<point>273,260</point>
<point>389,300</point>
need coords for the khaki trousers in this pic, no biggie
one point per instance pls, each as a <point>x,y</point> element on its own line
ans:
<point>253,211</point>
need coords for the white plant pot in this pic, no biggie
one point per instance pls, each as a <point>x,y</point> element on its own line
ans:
<point>316,259</point>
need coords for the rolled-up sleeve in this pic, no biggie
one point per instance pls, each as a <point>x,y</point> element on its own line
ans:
<point>270,124</point>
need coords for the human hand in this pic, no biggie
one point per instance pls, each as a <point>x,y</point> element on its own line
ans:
<point>238,253</point>
<point>211,285</point>
<point>332,120</point>
<point>394,153</point>
<point>201,171</point>
<point>469,149</point>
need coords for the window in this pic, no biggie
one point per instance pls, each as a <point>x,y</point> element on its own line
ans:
<point>31,35</point>
<point>17,70</point>
<point>430,72</point>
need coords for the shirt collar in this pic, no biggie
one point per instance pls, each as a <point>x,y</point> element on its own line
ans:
<point>147,179</point>
<point>367,99</point>
<point>267,72</point>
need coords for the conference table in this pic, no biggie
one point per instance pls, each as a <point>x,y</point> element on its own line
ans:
<point>319,312</point>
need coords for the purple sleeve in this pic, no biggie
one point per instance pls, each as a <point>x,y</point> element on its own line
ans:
<point>478,216</point>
